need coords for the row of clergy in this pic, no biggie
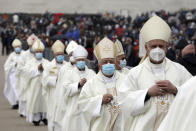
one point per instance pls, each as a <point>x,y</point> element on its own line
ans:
<point>68,96</point>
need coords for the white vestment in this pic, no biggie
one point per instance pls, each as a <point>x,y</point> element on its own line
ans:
<point>73,120</point>
<point>58,109</point>
<point>10,66</point>
<point>35,100</point>
<point>98,116</point>
<point>25,57</point>
<point>148,115</point>
<point>49,80</point>
<point>22,83</point>
<point>182,113</point>
<point>124,71</point>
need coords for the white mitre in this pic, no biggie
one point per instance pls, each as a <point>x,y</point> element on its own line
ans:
<point>16,43</point>
<point>119,48</point>
<point>154,29</point>
<point>105,49</point>
<point>80,52</point>
<point>31,39</point>
<point>71,47</point>
<point>38,46</point>
<point>58,46</point>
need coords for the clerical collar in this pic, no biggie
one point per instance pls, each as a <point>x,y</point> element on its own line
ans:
<point>158,69</point>
<point>108,79</point>
<point>152,65</point>
<point>38,61</point>
<point>59,64</point>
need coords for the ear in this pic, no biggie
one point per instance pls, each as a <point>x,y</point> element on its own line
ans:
<point>166,47</point>
<point>99,66</point>
<point>117,61</point>
<point>146,47</point>
<point>117,66</point>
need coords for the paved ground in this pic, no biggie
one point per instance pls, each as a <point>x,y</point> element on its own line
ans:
<point>9,119</point>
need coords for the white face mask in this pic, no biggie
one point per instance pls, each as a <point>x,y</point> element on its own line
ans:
<point>157,54</point>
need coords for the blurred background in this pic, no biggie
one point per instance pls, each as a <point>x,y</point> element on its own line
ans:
<point>88,21</point>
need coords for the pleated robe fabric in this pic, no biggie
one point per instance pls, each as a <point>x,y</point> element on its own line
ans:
<point>98,116</point>
<point>182,113</point>
<point>11,79</point>
<point>35,99</point>
<point>73,119</point>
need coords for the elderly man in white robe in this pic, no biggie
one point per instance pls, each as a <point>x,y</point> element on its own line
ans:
<point>73,119</point>
<point>10,66</point>
<point>121,58</point>
<point>58,109</point>
<point>98,99</point>
<point>49,82</point>
<point>181,115</point>
<point>150,87</point>
<point>36,104</point>
<point>22,84</point>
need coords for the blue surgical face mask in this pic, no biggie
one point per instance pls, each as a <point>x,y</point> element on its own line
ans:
<point>17,49</point>
<point>123,63</point>
<point>108,69</point>
<point>31,50</point>
<point>60,58</point>
<point>80,64</point>
<point>39,55</point>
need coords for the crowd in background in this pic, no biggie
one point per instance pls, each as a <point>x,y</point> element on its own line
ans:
<point>87,30</point>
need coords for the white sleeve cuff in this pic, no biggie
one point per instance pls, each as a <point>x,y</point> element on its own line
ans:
<point>52,81</point>
<point>74,89</point>
<point>98,108</point>
<point>141,106</point>
<point>36,73</point>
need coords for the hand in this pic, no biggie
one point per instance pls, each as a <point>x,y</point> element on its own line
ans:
<point>40,68</point>
<point>107,98</point>
<point>155,91</point>
<point>167,86</point>
<point>82,82</point>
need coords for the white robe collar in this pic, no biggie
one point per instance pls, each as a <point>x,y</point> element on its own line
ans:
<point>149,65</point>
<point>55,64</point>
<point>108,79</point>
<point>83,73</point>
<point>114,77</point>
